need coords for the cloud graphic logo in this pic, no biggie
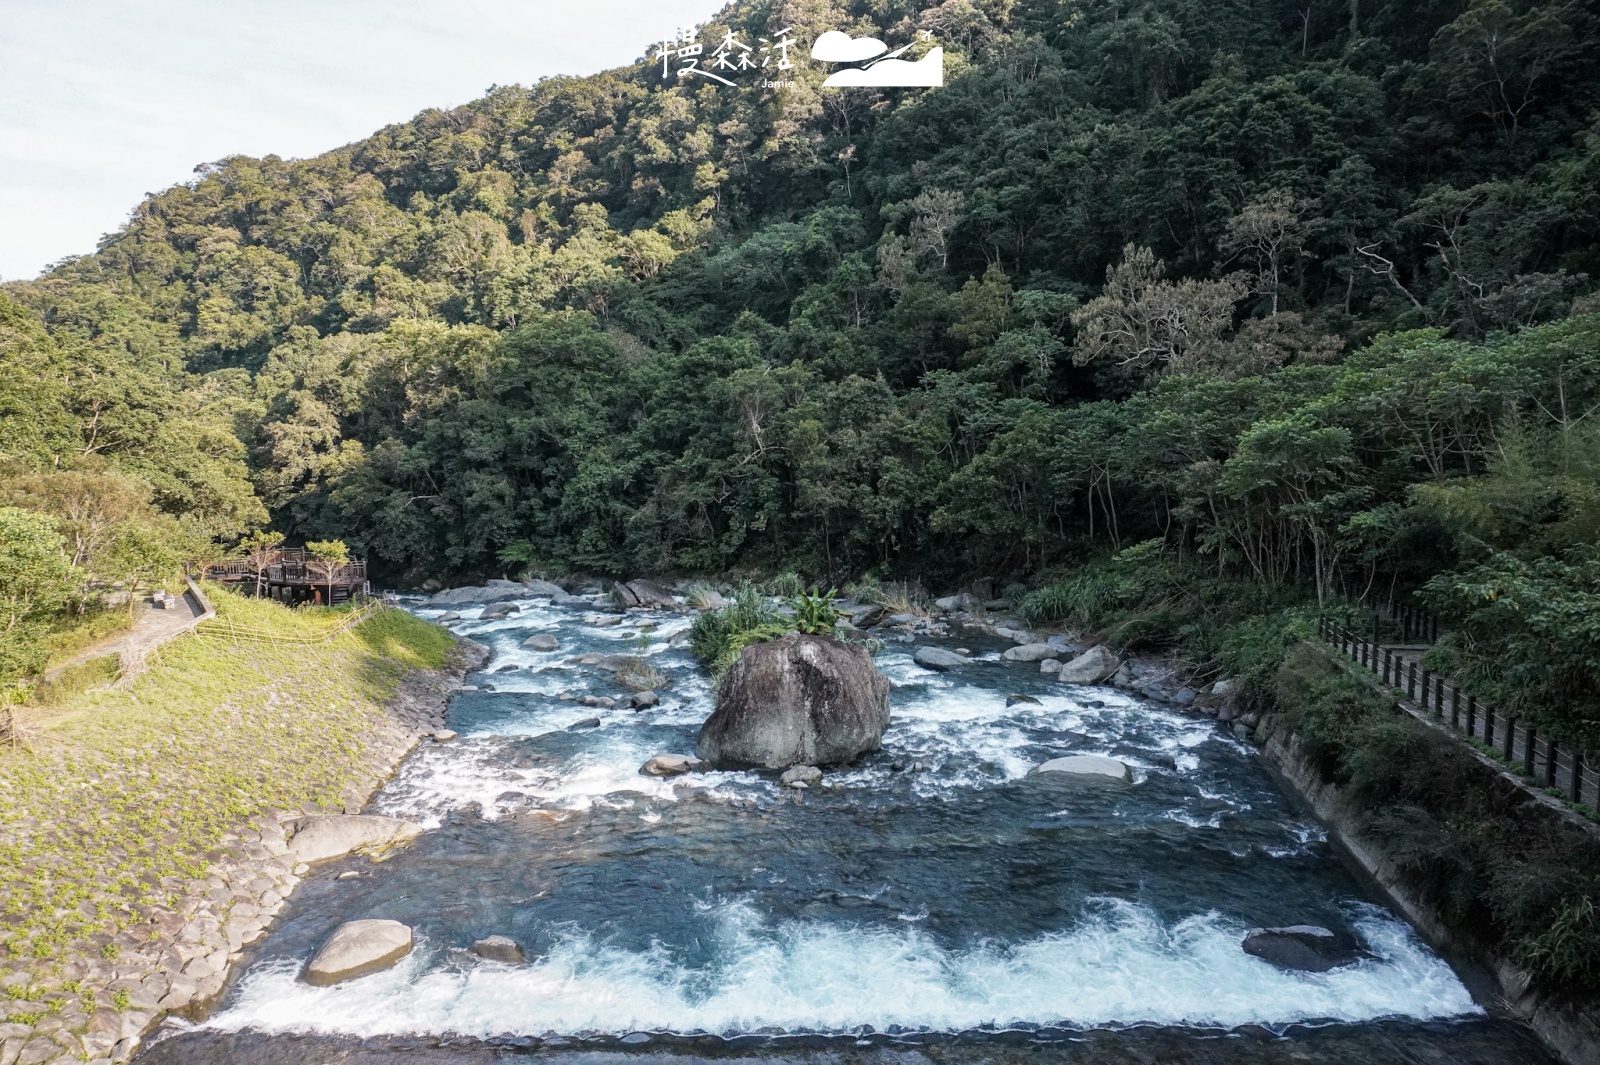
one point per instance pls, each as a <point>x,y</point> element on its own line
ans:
<point>890,72</point>
<point>836,47</point>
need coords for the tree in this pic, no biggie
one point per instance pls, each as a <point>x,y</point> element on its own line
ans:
<point>91,509</point>
<point>1144,320</point>
<point>327,556</point>
<point>36,578</point>
<point>261,549</point>
<point>1267,232</point>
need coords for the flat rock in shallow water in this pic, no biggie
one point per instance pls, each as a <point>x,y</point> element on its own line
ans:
<point>357,948</point>
<point>938,659</point>
<point>1088,767</point>
<point>1305,947</point>
<point>1030,652</point>
<point>670,765</point>
<point>499,948</point>
<point>799,775</point>
<point>317,839</point>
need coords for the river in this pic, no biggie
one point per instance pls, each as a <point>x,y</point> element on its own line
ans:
<point>932,900</point>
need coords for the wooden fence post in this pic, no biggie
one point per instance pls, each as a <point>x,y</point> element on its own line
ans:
<point>1529,738</point>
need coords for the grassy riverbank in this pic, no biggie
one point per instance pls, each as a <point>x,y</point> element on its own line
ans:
<point>117,800</point>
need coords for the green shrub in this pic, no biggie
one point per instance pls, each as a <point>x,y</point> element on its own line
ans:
<point>815,613</point>
<point>717,636</point>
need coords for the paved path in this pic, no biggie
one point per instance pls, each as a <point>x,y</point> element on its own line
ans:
<point>151,628</point>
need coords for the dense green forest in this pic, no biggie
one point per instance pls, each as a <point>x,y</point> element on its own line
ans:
<point>1302,289</point>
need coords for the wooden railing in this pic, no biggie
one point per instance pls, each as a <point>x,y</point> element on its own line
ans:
<point>1438,699</point>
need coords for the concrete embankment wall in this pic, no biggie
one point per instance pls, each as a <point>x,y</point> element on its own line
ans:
<point>1571,1032</point>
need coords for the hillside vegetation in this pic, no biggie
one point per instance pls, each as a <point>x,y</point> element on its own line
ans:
<point>1303,291</point>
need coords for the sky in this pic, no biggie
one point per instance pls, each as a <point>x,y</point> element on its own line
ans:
<point>103,101</point>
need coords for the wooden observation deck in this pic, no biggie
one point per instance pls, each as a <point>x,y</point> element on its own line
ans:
<point>290,576</point>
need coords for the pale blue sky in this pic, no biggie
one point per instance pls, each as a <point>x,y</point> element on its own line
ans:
<point>102,101</point>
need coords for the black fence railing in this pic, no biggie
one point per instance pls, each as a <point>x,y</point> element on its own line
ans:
<point>1439,699</point>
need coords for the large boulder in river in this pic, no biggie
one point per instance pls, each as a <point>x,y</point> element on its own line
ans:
<point>357,948</point>
<point>642,595</point>
<point>1094,666</point>
<point>317,839</point>
<point>938,659</point>
<point>538,589</point>
<point>799,700</point>
<point>1305,947</point>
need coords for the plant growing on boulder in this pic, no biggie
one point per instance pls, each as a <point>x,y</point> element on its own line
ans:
<point>815,613</point>
<point>717,636</point>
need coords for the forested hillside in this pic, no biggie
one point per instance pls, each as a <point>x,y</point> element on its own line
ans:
<point>1302,288</point>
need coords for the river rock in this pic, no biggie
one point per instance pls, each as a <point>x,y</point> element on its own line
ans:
<point>1050,665</point>
<point>799,700</point>
<point>542,641</point>
<point>1224,687</point>
<point>449,615</point>
<point>499,948</point>
<point>1184,697</point>
<point>866,616</point>
<point>1306,947</point>
<point>1088,767</point>
<point>938,659</point>
<point>1094,666</point>
<point>499,611</point>
<point>642,595</point>
<point>1030,652</point>
<point>588,722</point>
<point>670,765</point>
<point>644,700</point>
<point>1013,700</point>
<point>710,599</point>
<point>960,601</point>
<point>542,589</point>
<point>490,593</point>
<point>800,775</point>
<point>319,838</point>
<point>357,948</point>
<point>445,735</point>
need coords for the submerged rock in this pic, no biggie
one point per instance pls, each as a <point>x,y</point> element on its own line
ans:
<point>1094,666</point>
<point>588,722</point>
<point>800,776</point>
<point>542,641</point>
<point>1013,700</point>
<point>799,700</point>
<point>499,948</point>
<point>938,659</point>
<point>357,948</point>
<point>1088,767</point>
<point>319,838</point>
<point>1305,947</point>
<point>670,765</point>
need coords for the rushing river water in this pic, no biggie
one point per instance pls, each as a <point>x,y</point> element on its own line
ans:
<point>931,894</point>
